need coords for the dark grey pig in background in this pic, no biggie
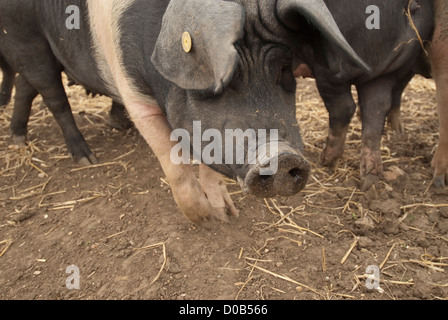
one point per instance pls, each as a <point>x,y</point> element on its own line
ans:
<point>235,71</point>
<point>395,55</point>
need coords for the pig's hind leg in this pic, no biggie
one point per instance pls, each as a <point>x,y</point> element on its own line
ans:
<point>44,76</point>
<point>25,95</point>
<point>394,117</point>
<point>118,118</point>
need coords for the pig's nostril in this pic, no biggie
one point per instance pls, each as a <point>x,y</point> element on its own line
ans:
<point>265,179</point>
<point>296,174</point>
<point>290,174</point>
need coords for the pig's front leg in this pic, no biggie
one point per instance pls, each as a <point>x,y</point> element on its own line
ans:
<point>216,191</point>
<point>439,60</point>
<point>375,100</point>
<point>187,192</point>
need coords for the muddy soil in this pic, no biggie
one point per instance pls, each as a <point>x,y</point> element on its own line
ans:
<point>118,224</point>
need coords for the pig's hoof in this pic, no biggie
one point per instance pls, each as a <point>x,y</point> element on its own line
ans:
<point>220,200</point>
<point>397,128</point>
<point>19,140</point>
<point>216,192</point>
<point>222,213</point>
<point>440,165</point>
<point>368,182</point>
<point>329,157</point>
<point>326,159</point>
<point>81,153</point>
<point>119,123</point>
<point>88,160</point>
<point>441,181</point>
<point>192,201</point>
<point>395,123</point>
<point>196,210</point>
<point>333,151</point>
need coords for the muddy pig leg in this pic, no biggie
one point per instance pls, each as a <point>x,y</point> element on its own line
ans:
<point>375,99</point>
<point>341,108</point>
<point>439,61</point>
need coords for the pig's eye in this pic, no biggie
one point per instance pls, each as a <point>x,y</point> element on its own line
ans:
<point>287,80</point>
<point>205,94</point>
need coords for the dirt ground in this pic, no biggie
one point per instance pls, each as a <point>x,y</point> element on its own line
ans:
<point>118,223</point>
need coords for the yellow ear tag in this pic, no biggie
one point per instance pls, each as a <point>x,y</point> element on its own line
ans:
<point>186,42</point>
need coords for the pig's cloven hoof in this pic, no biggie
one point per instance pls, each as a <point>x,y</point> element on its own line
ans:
<point>81,153</point>
<point>396,124</point>
<point>216,192</point>
<point>19,140</point>
<point>441,181</point>
<point>334,148</point>
<point>88,161</point>
<point>192,200</point>
<point>371,168</point>
<point>440,165</point>
<point>368,182</point>
<point>220,200</point>
<point>119,123</point>
<point>330,155</point>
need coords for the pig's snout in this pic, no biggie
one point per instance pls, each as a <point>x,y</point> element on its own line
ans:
<point>285,173</point>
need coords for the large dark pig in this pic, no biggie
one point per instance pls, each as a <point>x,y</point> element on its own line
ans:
<point>439,61</point>
<point>395,54</point>
<point>224,64</point>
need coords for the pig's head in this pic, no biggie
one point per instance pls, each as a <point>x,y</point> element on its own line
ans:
<point>233,75</point>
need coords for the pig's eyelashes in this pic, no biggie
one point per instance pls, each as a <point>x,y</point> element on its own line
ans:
<point>206,94</point>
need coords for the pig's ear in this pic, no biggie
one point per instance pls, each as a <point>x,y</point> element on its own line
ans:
<point>320,17</point>
<point>195,49</point>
